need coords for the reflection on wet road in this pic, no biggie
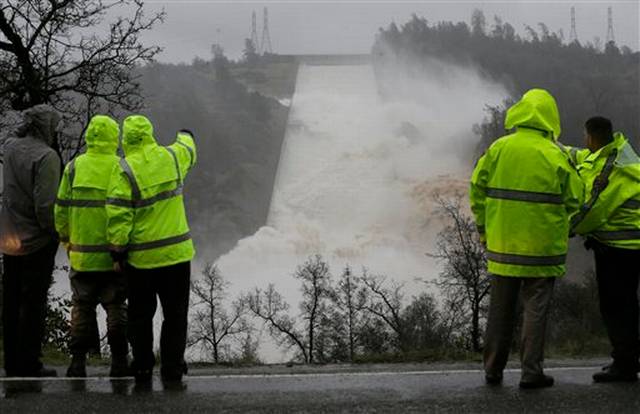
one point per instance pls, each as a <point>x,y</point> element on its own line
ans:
<point>407,391</point>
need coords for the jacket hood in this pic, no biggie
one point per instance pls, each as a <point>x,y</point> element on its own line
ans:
<point>627,160</point>
<point>536,109</point>
<point>40,122</point>
<point>101,135</point>
<point>137,133</point>
<point>627,156</point>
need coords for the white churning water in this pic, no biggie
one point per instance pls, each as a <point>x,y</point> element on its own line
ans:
<point>357,176</point>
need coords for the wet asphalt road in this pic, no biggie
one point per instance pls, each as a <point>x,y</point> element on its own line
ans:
<point>459,390</point>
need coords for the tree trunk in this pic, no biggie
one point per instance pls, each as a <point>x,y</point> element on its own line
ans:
<point>311,342</point>
<point>351,341</point>
<point>475,327</point>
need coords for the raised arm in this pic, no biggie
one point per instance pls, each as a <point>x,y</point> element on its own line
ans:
<point>185,149</point>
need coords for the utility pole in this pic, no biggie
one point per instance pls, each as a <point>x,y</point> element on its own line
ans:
<point>266,38</point>
<point>573,36</point>
<point>610,37</point>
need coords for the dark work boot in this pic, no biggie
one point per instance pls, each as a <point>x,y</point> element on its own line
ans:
<point>172,379</point>
<point>606,367</point>
<point>169,385</point>
<point>78,366</point>
<point>142,374</point>
<point>119,366</point>
<point>174,375</point>
<point>493,379</point>
<point>613,373</point>
<point>542,381</point>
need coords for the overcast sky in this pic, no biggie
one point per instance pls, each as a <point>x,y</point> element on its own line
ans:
<point>299,27</point>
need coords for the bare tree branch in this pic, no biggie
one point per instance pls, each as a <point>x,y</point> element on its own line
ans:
<point>47,57</point>
<point>211,322</point>
<point>386,303</point>
<point>464,280</point>
<point>271,308</point>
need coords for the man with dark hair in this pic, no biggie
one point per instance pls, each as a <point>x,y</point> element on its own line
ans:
<point>598,132</point>
<point>31,171</point>
<point>610,221</point>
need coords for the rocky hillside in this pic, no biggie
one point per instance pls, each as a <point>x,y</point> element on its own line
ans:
<point>239,135</point>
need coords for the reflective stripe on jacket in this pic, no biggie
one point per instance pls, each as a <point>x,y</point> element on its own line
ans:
<point>611,213</point>
<point>145,208</point>
<point>523,192</point>
<point>80,215</point>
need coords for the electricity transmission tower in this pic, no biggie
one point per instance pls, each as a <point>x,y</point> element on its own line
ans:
<point>610,37</point>
<point>573,36</point>
<point>265,47</point>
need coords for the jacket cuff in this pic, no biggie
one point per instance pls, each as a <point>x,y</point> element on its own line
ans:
<point>481,233</point>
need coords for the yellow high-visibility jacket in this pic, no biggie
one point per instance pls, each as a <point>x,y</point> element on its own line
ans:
<point>80,215</point>
<point>524,190</point>
<point>611,213</point>
<point>145,209</point>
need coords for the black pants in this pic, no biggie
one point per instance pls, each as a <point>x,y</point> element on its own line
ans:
<point>108,289</point>
<point>25,285</point>
<point>171,284</point>
<point>617,272</point>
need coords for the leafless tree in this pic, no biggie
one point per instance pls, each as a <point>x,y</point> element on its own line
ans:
<point>385,302</point>
<point>247,350</point>
<point>316,289</point>
<point>350,298</point>
<point>51,52</point>
<point>211,323</point>
<point>270,306</point>
<point>272,309</point>
<point>464,279</point>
